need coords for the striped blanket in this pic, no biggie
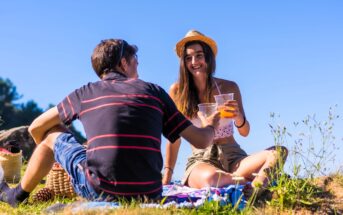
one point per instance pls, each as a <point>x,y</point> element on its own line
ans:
<point>174,195</point>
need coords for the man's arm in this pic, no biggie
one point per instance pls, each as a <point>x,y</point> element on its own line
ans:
<point>172,150</point>
<point>199,137</point>
<point>43,123</point>
<point>202,137</point>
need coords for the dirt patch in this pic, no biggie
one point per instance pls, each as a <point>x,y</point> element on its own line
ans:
<point>334,186</point>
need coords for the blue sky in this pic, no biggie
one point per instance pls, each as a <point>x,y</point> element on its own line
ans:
<point>286,56</point>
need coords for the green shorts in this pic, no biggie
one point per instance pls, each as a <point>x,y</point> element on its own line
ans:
<point>223,157</point>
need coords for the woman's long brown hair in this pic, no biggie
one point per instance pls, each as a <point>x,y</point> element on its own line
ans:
<point>186,97</point>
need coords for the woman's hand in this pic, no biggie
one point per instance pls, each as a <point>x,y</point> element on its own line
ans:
<point>231,110</point>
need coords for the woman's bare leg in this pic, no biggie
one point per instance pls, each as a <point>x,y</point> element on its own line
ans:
<point>205,175</point>
<point>260,163</point>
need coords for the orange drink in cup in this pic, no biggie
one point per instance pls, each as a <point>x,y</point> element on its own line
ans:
<point>220,100</point>
<point>224,113</point>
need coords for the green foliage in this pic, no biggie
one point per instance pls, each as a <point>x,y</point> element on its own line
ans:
<point>317,156</point>
<point>214,207</point>
<point>313,144</point>
<point>8,92</point>
<point>29,111</point>
<point>14,114</point>
<point>308,158</point>
<point>291,193</point>
<point>8,95</point>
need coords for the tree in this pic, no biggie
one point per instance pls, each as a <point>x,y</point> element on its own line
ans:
<point>8,92</point>
<point>8,96</point>
<point>15,115</point>
<point>27,113</point>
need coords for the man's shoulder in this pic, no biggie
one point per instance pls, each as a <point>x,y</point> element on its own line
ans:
<point>86,88</point>
<point>97,83</point>
<point>150,84</point>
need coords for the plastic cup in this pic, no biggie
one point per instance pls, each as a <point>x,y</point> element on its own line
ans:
<point>220,101</point>
<point>207,108</point>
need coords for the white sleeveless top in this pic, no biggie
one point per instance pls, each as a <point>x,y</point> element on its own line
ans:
<point>225,128</point>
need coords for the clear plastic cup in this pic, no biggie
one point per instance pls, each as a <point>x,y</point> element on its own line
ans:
<point>220,101</point>
<point>207,108</point>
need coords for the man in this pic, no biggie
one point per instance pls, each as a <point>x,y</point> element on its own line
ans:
<point>123,118</point>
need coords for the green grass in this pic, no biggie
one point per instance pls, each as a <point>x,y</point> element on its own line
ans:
<point>289,195</point>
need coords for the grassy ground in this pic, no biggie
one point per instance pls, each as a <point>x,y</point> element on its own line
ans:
<point>322,195</point>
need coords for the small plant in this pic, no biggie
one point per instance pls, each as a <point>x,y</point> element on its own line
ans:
<point>214,207</point>
<point>308,158</point>
<point>316,156</point>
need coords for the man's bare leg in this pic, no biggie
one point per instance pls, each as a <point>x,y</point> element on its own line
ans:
<point>41,161</point>
<point>38,167</point>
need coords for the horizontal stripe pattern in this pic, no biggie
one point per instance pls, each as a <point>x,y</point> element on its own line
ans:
<point>109,187</point>
<point>123,96</point>
<point>119,104</point>
<point>134,194</point>
<point>123,135</point>
<point>123,121</point>
<point>123,147</point>
<point>178,126</point>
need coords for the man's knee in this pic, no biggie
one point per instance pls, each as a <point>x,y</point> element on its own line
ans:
<point>51,136</point>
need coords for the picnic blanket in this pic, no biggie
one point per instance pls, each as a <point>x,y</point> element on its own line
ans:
<point>185,197</point>
<point>173,195</point>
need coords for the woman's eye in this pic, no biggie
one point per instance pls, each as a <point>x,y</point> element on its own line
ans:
<point>188,59</point>
<point>200,56</point>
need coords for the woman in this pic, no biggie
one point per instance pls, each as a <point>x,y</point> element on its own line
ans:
<point>219,163</point>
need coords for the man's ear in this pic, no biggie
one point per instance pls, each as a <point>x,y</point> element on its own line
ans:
<point>123,64</point>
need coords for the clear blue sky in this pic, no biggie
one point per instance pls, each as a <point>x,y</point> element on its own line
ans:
<point>286,56</point>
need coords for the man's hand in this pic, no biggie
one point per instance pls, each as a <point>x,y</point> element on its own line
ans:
<point>212,120</point>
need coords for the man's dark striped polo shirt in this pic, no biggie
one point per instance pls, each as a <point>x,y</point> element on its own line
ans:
<point>123,120</point>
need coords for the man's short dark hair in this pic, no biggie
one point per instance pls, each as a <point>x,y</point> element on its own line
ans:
<point>108,53</point>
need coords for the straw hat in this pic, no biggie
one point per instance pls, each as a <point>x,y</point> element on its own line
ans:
<point>195,35</point>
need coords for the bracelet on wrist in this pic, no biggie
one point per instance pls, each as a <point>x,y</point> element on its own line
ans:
<point>243,123</point>
<point>211,126</point>
<point>171,169</point>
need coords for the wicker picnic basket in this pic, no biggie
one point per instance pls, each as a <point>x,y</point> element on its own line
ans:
<point>11,164</point>
<point>58,180</point>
